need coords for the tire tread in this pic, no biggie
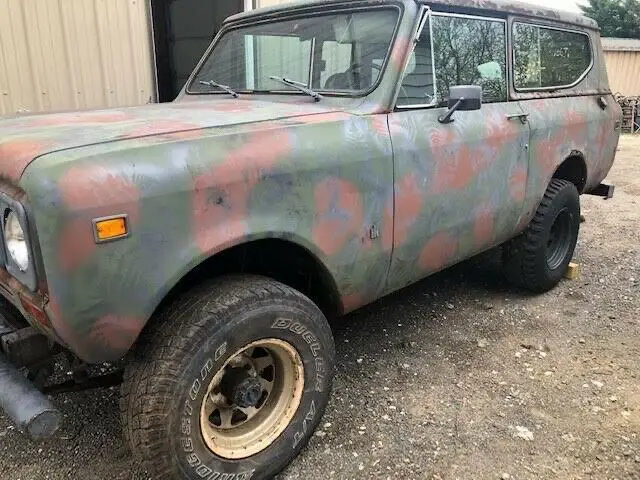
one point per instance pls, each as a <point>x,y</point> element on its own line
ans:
<point>521,261</point>
<point>149,377</point>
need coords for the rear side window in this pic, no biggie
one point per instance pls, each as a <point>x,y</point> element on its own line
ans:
<point>547,58</point>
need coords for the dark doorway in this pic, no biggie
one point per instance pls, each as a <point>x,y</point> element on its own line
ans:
<point>182,31</point>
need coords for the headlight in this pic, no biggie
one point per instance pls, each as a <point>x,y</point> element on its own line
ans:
<point>15,241</point>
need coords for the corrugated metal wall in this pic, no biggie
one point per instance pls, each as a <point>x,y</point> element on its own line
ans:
<point>74,54</point>
<point>268,3</point>
<point>623,69</point>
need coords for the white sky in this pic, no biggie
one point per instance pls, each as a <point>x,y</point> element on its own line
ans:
<point>570,5</point>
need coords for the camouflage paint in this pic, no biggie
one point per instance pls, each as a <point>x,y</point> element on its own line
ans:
<point>460,200</point>
<point>561,127</point>
<point>208,172</point>
<point>191,193</point>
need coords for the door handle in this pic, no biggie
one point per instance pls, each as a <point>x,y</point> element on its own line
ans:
<point>520,116</point>
<point>602,103</point>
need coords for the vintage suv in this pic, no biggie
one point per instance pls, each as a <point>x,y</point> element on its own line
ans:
<point>322,154</point>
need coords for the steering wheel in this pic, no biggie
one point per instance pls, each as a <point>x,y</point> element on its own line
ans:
<point>355,73</point>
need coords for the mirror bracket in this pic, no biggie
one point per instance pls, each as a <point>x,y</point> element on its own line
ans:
<point>463,98</point>
<point>446,118</point>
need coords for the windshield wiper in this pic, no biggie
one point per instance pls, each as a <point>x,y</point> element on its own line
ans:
<point>211,83</point>
<point>298,86</point>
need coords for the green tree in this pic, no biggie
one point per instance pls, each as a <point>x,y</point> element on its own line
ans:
<point>616,18</point>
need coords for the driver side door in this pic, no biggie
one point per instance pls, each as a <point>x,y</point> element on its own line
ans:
<point>459,187</point>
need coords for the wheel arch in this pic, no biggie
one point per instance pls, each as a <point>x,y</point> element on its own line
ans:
<point>287,260</point>
<point>573,169</point>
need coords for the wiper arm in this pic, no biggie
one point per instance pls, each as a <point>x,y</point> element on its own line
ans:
<point>211,83</point>
<point>298,86</point>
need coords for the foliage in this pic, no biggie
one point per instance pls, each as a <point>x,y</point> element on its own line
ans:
<point>616,18</point>
<point>461,46</point>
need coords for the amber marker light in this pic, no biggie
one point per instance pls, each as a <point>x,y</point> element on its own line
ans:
<point>110,228</point>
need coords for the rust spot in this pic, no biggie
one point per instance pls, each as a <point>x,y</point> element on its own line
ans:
<point>438,252</point>
<point>35,312</point>
<point>338,214</point>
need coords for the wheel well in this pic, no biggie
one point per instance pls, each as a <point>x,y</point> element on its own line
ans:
<point>280,260</point>
<point>574,170</point>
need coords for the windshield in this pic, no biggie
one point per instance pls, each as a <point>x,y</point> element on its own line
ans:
<point>337,53</point>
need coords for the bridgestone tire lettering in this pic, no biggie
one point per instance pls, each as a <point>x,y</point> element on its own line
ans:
<point>182,351</point>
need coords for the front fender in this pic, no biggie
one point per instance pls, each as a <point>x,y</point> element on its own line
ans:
<point>186,200</point>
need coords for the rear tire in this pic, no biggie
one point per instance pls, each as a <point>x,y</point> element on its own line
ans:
<point>538,258</point>
<point>228,382</point>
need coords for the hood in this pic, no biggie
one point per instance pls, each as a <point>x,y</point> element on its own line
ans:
<point>24,138</point>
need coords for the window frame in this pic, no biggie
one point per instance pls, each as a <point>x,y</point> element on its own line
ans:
<point>250,22</point>
<point>549,27</point>
<point>430,13</point>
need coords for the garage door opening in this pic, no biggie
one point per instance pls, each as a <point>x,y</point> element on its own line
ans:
<point>182,31</point>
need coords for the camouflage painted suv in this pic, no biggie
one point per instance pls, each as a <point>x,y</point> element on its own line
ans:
<point>322,155</point>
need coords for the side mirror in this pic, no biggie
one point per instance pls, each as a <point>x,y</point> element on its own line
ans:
<point>462,97</point>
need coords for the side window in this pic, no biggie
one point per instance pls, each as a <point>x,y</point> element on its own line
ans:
<point>418,84</point>
<point>461,51</point>
<point>470,51</point>
<point>548,57</point>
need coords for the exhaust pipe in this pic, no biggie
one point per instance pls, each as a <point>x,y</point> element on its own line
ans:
<point>25,405</point>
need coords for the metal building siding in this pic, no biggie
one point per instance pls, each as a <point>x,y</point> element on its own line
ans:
<point>268,3</point>
<point>623,68</point>
<point>74,54</point>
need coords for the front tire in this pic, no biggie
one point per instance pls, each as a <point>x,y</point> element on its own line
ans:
<point>229,382</point>
<point>538,258</point>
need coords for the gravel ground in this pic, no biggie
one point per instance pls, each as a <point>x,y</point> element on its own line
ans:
<point>458,377</point>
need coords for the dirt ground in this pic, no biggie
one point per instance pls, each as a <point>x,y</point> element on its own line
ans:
<point>458,377</point>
